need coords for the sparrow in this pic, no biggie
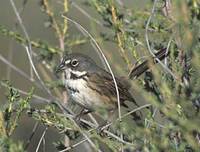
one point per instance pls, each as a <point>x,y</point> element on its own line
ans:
<point>93,88</point>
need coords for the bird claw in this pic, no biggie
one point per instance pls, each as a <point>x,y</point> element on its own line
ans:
<point>79,115</point>
<point>101,128</point>
<point>77,118</point>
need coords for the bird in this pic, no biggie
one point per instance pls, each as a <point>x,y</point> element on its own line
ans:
<point>93,88</point>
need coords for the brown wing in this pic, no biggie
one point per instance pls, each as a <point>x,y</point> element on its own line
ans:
<point>104,84</point>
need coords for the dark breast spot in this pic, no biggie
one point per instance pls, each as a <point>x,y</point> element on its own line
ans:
<point>73,90</point>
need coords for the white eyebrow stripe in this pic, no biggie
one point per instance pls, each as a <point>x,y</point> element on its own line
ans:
<point>67,61</point>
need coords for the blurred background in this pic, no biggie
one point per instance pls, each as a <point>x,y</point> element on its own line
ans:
<point>15,65</point>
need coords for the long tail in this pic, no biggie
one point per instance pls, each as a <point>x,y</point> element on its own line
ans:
<point>141,68</point>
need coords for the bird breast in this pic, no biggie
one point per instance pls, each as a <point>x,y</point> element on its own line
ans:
<point>82,94</point>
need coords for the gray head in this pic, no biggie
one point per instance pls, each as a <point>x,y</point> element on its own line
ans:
<point>76,64</point>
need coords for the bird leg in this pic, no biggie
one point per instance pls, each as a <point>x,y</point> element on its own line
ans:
<point>102,127</point>
<point>106,124</point>
<point>79,115</point>
<point>82,113</point>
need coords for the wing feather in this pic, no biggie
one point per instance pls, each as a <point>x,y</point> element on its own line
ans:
<point>104,80</point>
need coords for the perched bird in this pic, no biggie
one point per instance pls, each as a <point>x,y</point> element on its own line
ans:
<point>92,87</point>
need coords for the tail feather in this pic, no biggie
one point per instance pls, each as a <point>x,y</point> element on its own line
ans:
<point>141,68</point>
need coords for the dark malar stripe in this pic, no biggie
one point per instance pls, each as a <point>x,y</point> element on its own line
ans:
<point>75,77</point>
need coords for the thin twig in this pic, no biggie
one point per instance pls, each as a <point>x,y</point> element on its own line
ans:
<point>34,96</point>
<point>25,76</point>
<point>93,119</point>
<point>40,141</point>
<point>158,124</point>
<point>73,146</point>
<point>64,109</point>
<point>134,110</point>
<point>153,115</point>
<point>35,71</point>
<point>148,44</point>
<point>43,144</point>
<point>29,48</point>
<point>31,136</point>
<point>100,56</point>
<point>10,54</point>
<point>24,31</point>
<point>93,45</point>
<point>118,138</point>
<point>167,49</point>
<point>94,126</point>
<point>127,114</point>
<point>4,60</point>
<point>105,131</point>
<point>10,57</point>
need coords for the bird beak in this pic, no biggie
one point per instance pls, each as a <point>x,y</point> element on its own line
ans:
<point>60,67</point>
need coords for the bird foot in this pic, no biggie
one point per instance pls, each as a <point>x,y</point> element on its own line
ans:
<point>79,115</point>
<point>101,128</point>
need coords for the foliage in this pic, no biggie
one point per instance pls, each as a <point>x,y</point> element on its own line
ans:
<point>10,116</point>
<point>171,87</point>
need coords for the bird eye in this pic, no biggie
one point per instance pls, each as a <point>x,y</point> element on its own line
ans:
<point>74,62</point>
